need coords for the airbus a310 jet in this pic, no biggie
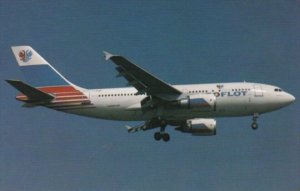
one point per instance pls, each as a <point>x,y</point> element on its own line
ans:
<point>190,108</point>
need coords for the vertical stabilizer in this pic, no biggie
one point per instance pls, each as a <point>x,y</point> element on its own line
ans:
<point>37,71</point>
<point>43,82</point>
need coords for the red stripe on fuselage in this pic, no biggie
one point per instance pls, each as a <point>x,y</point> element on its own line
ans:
<point>59,89</point>
<point>61,93</point>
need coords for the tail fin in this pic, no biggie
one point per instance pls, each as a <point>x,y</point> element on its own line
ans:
<point>38,72</point>
<point>43,82</point>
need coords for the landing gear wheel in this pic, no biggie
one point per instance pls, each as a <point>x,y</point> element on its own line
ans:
<point>166,137</point>
<point>157,136</point>
<point>254,125</point>
<point>161,134</point>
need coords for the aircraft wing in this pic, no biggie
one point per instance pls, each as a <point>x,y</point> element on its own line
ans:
<point>142,80</point>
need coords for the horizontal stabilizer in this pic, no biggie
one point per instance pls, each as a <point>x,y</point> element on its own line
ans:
<point>33,94</point>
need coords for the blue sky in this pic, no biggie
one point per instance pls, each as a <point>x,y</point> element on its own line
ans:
<point>180,42</point>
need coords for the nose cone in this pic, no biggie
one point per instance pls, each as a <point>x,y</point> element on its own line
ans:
<point>286,99</point>
<point>289,98</point>
<point>276,100</point>
<point>282,100</point>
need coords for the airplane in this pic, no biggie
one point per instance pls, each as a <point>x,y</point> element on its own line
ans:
<point>189,108</point>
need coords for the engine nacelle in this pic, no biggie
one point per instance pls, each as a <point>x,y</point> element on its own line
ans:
<point>199,127</point>
<point>203,102</point>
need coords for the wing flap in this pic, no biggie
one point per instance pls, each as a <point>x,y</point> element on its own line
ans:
<point>131,129</point>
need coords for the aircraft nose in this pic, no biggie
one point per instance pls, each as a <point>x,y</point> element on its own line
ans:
<point>289,98</point>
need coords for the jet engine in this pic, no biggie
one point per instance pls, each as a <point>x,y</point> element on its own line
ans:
<point>199,127</point>
<point>203,102</point>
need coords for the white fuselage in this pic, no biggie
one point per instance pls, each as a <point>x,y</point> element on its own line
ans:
<point>231,99</point>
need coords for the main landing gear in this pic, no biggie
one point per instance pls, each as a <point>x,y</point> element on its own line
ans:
<point>254,124</point>
<point>162,134</point>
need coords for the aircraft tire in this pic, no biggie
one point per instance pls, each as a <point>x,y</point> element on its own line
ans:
<point>254,126</point>
<point>166,137</point>
<point>157,136</point>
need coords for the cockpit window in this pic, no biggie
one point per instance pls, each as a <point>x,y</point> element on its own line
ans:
<point>277,90</point>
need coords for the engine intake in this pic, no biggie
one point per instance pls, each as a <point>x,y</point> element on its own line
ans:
<point>199,127</point>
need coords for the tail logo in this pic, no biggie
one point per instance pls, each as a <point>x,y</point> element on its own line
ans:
<point>25,56</point>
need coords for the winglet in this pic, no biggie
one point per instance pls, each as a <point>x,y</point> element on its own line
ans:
<point>107,55</point>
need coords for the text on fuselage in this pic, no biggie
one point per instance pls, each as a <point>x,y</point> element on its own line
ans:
<point>230,94</point>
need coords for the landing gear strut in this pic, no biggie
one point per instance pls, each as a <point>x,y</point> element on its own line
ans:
<point>161,134</point>
<point>254,124</point>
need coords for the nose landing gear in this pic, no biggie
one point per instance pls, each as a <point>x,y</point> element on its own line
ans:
<point>254,124</point>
